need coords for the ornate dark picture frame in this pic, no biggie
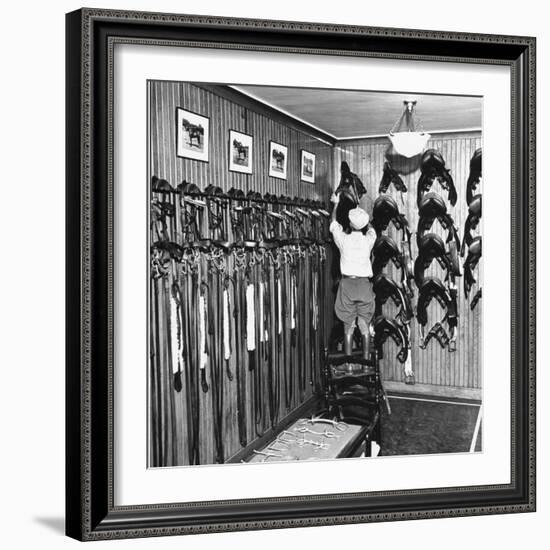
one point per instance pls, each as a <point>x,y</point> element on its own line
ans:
<point>90,509</point>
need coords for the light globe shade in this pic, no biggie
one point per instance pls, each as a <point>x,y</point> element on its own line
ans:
<point>409,144</point>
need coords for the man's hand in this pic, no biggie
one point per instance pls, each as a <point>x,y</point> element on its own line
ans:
<point>335,198</point>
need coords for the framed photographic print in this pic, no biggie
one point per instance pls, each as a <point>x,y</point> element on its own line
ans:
<point>308,167</point>
<point>278,160</point>
<point>228,367</point>
<point>192,132</point>
<point>240,152</point>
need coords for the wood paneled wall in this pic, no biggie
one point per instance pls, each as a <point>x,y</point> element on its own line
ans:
<point>432,365</point>
<point>168,421</point>
<point>228,115</point>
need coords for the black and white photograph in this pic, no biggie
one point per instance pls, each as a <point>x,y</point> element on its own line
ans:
<point>291,322</point>
<point>192,131</point>
<point>308,167</point>
<point>300,274</point>
<point>240,155</point>
<point>278,155</point>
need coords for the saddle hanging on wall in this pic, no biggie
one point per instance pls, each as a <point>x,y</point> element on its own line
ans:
<point>431,288</point>
<point>472,259</point>
<point>384,211</point>
<point>385,328</point>
<point>475,175</point>
<point>470,241</point>
<point>389,175</point>
<point>384,288</point>
<point>471,223</point>
<point>431,247</point>
<point>350,190</point>
<point>432,168</point>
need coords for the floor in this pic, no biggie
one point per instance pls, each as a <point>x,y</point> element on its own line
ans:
<point>424,425</point>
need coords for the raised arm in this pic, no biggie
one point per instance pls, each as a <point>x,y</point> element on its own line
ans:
<point>335,199</point>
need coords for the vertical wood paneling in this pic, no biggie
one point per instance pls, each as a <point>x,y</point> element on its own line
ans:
<point>225,115</point>
<point>366,158</point>
<point>432,365</point>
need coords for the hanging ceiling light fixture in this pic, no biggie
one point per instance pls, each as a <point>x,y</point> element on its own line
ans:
<point>412,140</point>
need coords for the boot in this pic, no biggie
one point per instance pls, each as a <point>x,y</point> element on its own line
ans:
<point>348,343</point>
<point>365,339</point>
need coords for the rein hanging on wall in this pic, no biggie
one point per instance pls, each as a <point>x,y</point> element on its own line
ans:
<point>232,274</point>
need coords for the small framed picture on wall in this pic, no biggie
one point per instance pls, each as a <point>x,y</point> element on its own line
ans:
<point>240,152</point>
<point>278,160</point>
<point>192,135</point>
<point>307,170</point>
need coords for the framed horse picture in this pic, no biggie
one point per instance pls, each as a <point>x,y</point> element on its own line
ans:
<point>246,350</point>
<point>240,152</point>
<point>278,160</point>
<point>192,135</point>
<point>307,166</point>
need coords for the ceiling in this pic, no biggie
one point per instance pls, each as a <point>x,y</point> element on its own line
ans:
<point>347,114</point>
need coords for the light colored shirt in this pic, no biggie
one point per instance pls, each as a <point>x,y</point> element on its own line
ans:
<point>354,249</point>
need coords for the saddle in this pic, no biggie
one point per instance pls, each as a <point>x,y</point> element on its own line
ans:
<point>432,167</point>
<point>472,221</point>
<point>474,176</point>
<point>214,190</point>
<point>385,288</point>
<point>432,206</point>
<point>434,288</point>
<point>431,288</point>
<point>472,259</point>
<point>187,188</point>
<point>431,247</point>
<point>160,185</point>
<point>350,189</point>
<point>385,210</point>
<point>385,328</point>
<point>236,193</point>
<point>389,175</point>
<point>350,185</point>
<point>384,250</point>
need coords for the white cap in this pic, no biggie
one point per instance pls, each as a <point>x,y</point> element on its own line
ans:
<point>358,218</point>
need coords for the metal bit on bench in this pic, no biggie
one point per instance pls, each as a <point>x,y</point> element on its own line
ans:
<point>340,426</point>
<point>315,444</point>
<point>326,433</point>
<point>267,454</point>
<point>279,441</point>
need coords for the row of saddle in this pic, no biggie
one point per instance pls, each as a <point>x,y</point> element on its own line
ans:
<point>431,246</point>
<point>433,168</point>
<point>235,219</point>
<point>473,242</point>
